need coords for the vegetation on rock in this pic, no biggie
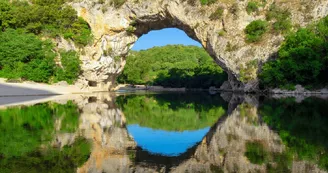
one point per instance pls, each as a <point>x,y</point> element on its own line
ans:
<point>173,66</point>
<point>217,14</point>
<point>252,7</point>
<point>302,59</point>
<point>255,30</point>
<point>281,19</point>
<point>207,2</point>
<point>24,55</point>
<point>24,52</point>
<point>256,153</point>
<point>45,18</point>
<point>71,67</point>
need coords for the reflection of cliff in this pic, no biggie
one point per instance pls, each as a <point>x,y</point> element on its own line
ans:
<point>103,124</point>
<point>239,142</point>
<point>225,148</point>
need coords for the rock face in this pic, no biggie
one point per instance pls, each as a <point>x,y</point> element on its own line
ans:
<point>116,29</point>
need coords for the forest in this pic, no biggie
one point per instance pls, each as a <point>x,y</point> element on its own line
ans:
<point>26,49</point>
<point>173,66</point>
<point>302,59</point>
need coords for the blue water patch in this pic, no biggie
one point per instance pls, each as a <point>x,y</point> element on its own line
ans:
<point>167,143</point>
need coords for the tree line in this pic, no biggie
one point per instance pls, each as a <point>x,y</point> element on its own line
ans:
<point>173,66</point>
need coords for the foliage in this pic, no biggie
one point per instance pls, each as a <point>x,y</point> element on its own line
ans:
<point>256,153</point>
<point>217,14</point>
<point>25,129</point>
<point>25,56</point>
<point>173,66</point>
<point>252,7</point>
<point>172,112</point>
<point>52,160</point>
<point>130,29</point>
<point>118,3</point>
<point>301,126</point>
<point>47,18</point>
<point>248,72</point>
<point>302,59</point>
<point>282,21</point>
<point>207,2</point>
<point>255,30</point>
<point>71,67</point>
<point>26,137</point>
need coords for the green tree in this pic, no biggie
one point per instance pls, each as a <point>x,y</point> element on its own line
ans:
<point>302,59</point>
<point>173,66</point>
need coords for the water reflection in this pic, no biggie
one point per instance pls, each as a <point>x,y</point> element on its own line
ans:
<point>168,143</point>
<point>27,134</point>
<point>169,124</point>
<point>302,126</point>
<point>166,133</point>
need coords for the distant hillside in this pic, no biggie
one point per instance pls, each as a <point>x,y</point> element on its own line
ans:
<point>173,66</point>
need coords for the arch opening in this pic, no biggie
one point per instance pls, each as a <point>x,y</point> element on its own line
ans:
<point>169,58</point>
<point>119,29</point>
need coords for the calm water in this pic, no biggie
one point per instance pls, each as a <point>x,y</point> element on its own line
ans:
<point>177,132</point>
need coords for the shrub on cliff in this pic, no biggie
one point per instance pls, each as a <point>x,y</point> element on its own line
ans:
<point>252,7</point>
<point>281,19</point>
<point>255,30</point>
<point>207,2</point>
<point>71,67</point>
<point>217,14</point>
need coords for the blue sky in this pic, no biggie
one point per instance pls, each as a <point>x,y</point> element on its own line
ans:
<point>164,37</point>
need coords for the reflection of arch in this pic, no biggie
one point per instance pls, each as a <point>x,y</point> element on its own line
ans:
<point>144,157</point>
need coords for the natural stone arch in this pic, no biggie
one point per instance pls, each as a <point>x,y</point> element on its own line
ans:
<point>116,29</point>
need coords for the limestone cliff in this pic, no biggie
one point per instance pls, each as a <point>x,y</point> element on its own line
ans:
<point>117,28</point>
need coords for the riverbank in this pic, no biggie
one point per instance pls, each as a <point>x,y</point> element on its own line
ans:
<point>28,88</point>
<point>129,87</point>
<point>299,89</point>
<point>36,89</point>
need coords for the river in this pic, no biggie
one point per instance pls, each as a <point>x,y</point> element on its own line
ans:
<point>166,132</point>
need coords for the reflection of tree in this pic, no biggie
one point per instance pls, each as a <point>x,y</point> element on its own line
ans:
<point>26,134</point>
<point>301,126</point>
<point>50,160</point>
<point>172,111</point>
